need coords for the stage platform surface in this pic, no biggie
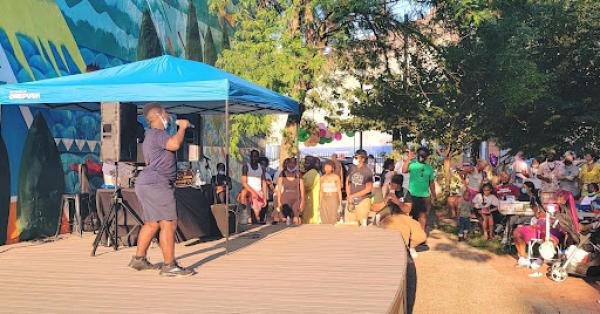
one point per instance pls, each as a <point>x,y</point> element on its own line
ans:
<point>270,269</point>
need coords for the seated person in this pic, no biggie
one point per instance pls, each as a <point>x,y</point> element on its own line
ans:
<point>220,182</point>
<point>505,188</point>
<point>528,194</point>
<point>590,202</point>
<point>397,196</point>
<point>523,234</point>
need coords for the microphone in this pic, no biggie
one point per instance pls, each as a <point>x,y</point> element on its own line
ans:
<point>191,126</point>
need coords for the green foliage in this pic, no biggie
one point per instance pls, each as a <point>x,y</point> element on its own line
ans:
<point>210,51</point>
<point>193,47</point>
<point>247,126</point>
<point>148,42</point>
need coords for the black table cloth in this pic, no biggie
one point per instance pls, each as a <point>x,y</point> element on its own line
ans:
<point>194,216</point>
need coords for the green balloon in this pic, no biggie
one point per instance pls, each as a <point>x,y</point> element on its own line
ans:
<point>329,140</point>
<point>302,132</point>
<point>322,140</point>
<point>304,137</point>
<point>350,133</point>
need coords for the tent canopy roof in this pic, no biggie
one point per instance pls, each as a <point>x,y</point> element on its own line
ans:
<point>182,86</point>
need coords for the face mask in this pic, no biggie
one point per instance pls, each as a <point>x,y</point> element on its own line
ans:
<point>355,161</point>
<point>568,162</point>
<point>221,172</point>
<point>421,159</point>
<point>524,190</point>
<point>165,122</point>
<point>292,169</point>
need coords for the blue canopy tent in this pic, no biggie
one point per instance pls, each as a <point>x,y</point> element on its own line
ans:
<point>181,86</point>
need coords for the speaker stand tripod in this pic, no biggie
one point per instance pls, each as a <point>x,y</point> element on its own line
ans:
<point>112,218</point>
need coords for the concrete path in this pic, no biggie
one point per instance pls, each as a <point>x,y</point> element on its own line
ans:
<point>455,278</point>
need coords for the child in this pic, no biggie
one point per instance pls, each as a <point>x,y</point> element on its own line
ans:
<point>589,202</point>
<point>464,216</point>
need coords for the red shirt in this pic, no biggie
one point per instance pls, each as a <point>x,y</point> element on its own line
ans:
<point>502,190</point>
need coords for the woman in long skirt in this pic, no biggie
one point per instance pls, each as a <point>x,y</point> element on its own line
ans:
<point>330,194</point>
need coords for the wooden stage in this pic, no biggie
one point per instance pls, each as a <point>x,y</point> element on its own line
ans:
<point>270,269</point>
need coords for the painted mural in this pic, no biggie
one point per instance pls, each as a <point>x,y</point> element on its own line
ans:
<point>48,38</point>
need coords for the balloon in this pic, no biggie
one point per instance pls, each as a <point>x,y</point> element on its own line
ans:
<point>322,133</point>
<point>350,133</point>
<point>329,140</point>
<point>303,138</point>
<point>322,140</point>
<point>337,136</point>
<point>321,125</point>
<point>302,132</point>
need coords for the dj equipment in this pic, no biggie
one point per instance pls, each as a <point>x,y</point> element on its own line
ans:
<point>119,130</point>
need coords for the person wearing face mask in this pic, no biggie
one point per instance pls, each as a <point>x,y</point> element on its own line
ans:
<point>589,172</point>
<point>254,193</point>
<point>221,183</point>
<point>569,178</point>
<point>290,194</point>
<point>549,173</point>
<point>156,192</point>
<point>359,185</point>
<point>421,185</point>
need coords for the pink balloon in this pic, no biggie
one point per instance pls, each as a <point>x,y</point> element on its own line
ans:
<point>328,134</point>
<point>322,133</point>
<point>338,136</point>
<point>321,125</point>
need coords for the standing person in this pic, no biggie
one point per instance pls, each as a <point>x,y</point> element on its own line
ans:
<point>520,170</point>
<point>549,173</point>
<point>590,172</point>
<point>290,194</point>
<point>337,166</point>
<point>359,186</point>
<point>465,207</point>
<point>569,178</point>
<point>474,178</point>
<point>487,203</point>
<point>264,163</point>
<point>254,184</point>
<point>156,192</point>
<point>312,188</point>
<point>221,183</point>
<point>421,185</point>
<point>533,173</point>
<point>331,194</point>
<point>386,176</point>
<point>398,169</point>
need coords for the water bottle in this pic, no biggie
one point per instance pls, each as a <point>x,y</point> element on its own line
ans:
<point>197,178</point>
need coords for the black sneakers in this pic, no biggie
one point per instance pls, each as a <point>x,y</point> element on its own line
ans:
<point>174,270</point>
<point>141,263</point>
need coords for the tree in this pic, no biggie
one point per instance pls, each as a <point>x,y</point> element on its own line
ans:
<point>282,44</point>
<point>210,51</point>
<point>193,48</point>
<point>148,43</point>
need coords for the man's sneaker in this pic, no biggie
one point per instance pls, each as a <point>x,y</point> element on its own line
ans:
<point>523,262</point>
<point>536,264</point>
<point>174,270</point>
<point>413,252</point>
<point>141,263</point>
<point>422,248</point>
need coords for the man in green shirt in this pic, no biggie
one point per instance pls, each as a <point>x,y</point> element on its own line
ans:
<point>421,185</point>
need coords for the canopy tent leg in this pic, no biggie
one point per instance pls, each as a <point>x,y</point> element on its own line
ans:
<point>228,173</point>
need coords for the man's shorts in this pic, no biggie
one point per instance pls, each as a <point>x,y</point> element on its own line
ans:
<point>420,205</point>
<point>158,202</point>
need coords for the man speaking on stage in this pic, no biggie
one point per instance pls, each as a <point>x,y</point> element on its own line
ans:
<point>156,192</point>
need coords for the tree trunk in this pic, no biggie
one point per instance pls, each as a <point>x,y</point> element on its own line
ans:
<point>447,174</point>
<point>289,141</point>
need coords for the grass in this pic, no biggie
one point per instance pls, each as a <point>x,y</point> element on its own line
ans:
<point>476,240</point>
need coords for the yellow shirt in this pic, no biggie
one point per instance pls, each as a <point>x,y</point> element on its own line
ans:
<point>590,176</point>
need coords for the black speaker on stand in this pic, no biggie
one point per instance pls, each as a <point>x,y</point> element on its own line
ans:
<point>192,136</point>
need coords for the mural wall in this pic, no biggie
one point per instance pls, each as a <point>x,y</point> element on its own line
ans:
<point>48,38</point>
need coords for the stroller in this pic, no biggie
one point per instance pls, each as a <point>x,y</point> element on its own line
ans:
<point>581,258</point>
